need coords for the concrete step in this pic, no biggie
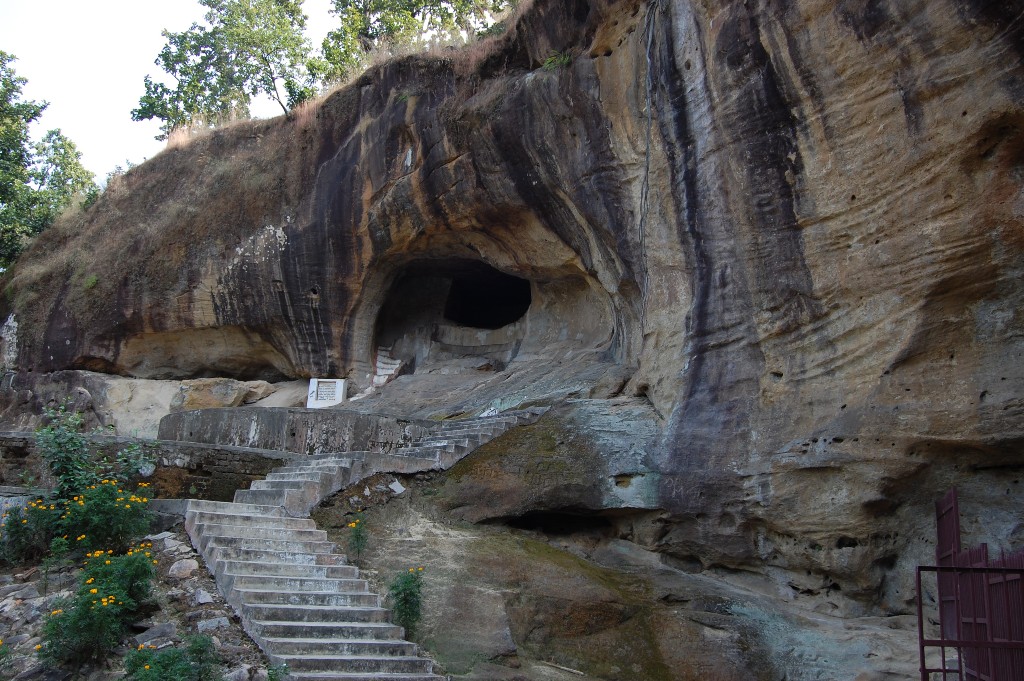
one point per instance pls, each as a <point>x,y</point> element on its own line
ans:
<point>343,630</point>
<point>233,508</point>
<point>283,523</point>
<point>240,567</point>
<point>445,441</point>
<point>209,542</point>
<point>356,664</point>
<point>297,584</point>
<point>340,646</point>
<point>321,466</point>
<point>285,484</point>
<point>475,434</point>
<point>258,532</point>
<point>278,497</point>
<point>314,613</point>
<point>216,553</point>
<point>319,598</point>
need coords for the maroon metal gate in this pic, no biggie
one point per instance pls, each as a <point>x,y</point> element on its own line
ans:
<point>980,606</point>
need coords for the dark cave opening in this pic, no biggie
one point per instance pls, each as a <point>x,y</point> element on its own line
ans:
<point>484,298</point>
<point>563,524</point>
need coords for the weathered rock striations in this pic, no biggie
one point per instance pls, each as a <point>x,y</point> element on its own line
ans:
<point>789,230</point>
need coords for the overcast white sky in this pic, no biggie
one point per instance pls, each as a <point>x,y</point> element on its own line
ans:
<point>88,59</point>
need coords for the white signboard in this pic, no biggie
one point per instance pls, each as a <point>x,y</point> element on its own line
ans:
<point>325,392</point>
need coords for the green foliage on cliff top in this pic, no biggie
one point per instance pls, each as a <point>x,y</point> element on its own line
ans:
<point>249,48</point>
<point>38,180</point>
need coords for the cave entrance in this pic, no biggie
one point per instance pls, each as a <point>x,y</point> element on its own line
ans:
<point>450,309</point>
<point>485,298</point>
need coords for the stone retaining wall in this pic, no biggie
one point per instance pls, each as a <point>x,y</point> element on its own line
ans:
<point>301,431</point>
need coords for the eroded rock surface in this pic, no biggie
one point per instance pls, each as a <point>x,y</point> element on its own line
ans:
<point>792,228</point>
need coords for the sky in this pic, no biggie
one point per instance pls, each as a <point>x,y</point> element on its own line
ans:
<point>88,60</point>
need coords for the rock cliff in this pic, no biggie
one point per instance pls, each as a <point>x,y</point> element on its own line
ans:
<point>771,250</point>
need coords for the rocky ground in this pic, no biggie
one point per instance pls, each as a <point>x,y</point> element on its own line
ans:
<point>186,603</point>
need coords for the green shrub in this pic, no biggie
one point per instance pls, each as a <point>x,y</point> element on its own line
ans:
<point>406,596</point>
<point>107,516</point>
<point>26,533</point>
<point>66,451</point>
<point>198,661</point>
<point>89,625</point>
<point>357,536</point>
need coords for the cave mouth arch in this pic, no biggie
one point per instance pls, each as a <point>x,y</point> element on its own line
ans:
<point>447,308</point>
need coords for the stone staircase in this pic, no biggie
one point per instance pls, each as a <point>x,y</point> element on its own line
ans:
<point>295,595</point>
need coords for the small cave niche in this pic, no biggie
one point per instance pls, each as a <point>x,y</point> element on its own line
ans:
<point>563,523</point>
<point>444,309</point>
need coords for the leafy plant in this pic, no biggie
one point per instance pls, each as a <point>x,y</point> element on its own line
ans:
<point>357,536</point>
<point>66,451</point>
<point>26,533</point>
<point>89,625</point>
<point>198,661</point>
<point>557,60</point>
<point>406,596</point>
<point>90,281</point>
<point>106,515</point>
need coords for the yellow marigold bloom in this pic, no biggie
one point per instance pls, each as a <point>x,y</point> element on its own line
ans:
<point>93,590</point>
<point>106,562</point>
<point>154,562</point>
<point>147,666</point>
<point>38,646</point>
<point>141,646</point>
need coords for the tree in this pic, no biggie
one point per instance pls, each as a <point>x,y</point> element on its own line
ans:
<point>250,48</point>
<point>37,181</point>
<point>370,24</point>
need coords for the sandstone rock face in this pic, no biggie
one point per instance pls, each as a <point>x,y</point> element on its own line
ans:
<point>793,227</point>
<point>604,608</point>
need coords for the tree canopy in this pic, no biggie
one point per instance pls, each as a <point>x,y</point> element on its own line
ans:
<point>37,180</point>
<point>366,25</point>
<point>249,48</point>
<point>257,47</point>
